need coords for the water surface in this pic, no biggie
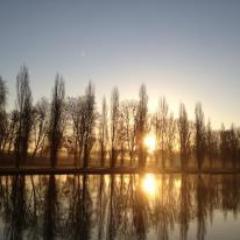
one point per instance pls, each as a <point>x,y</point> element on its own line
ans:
<point>120,207</point>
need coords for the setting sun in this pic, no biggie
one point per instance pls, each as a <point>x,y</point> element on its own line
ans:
<point>150,142</point>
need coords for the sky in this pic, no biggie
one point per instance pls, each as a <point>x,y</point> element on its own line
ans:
<point>187,51</point>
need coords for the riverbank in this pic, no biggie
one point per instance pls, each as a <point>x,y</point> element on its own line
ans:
<point>99,171</point>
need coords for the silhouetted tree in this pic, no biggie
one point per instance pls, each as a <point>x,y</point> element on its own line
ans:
<point>161,129</point>
<point>12,130</point>
<point>171,138</point>
<point>114,126</point>
<point>234,146</point>
<point>200,135</point>
<point>122,135</point>
<point>56,119</point>
<point>75,108</point>
<point>224,146</point>
<point>24,107</point>
<point>129,115</point>
<point>141,125</point>
<point>83,115</point>
<point>210,146</point>
<point>184,136</point>
<point>103,132</point>
<point>89,118</point>
<point>3,115</point>
<point>40,126</point>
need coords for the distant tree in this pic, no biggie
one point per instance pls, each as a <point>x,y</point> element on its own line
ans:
<point>12,130</point>
<point>56,124</point>
<point>76,111</point>
<point>199,135</point>
<point>229,146</point>
<point>114,126</point>
<point>3,94</point>
<point>209,144</point>
<point>40,125</point>
<point>141,125</point>
<point>184,136</point>
<point>234,146</point>
<point>122,135</point>
<point>171,138</point>
<point>129,114</point>
<point>161,129</point>
<point>83,116</point>
<point>103,132</point>
<point>89,117</point>
<point>24,107</point>
<point>212,144</point>
<point>224,146</point>
<point>3,114</point>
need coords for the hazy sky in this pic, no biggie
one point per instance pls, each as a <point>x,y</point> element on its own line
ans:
<point>185,50</point>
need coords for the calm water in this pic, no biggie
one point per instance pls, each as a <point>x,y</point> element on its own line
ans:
<point>120,207</point>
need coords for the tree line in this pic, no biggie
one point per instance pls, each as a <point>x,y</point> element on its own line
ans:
<point>110,136</point>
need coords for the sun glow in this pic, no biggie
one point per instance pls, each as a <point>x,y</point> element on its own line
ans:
<point>149,184</point>
<point>150,142</point>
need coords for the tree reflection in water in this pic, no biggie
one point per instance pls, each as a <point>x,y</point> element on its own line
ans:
<point>115,206</point>
<point>17,208</point>
<point>50,218</point>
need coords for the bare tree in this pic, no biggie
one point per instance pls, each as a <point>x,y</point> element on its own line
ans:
<point>161,129</point>
<point>123,133</point>
<point>212,144</point>
<point>76,110</point>
<point>103,132</point>
<point>184,136</point>
<point>3,94</point>
<point>224,146</point>
<point>209,143</point>
<point>114,125</point>
<point>171,138</point>
<point>24,107</point>
<point>90,117</point>
<point>3,114</point>
<point>142,125</point>
<point>229,146</point>
<point>56,119</point>
<point>12,130</point>
<point>234,146</point>
<point>199,135</point>
<point>129,115</point>
<point>40,126</point>
<point>83,115</point>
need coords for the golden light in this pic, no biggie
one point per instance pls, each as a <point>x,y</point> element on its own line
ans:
<point>178,183</point>
<point>150,142</point>
<point>149,184</point>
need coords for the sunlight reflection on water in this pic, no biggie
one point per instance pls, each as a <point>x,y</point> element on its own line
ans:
<point>145,206</point>
<point>149,184</point>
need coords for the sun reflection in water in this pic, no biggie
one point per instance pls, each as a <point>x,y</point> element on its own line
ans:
<point>149,184</point>
<point>177,184</point>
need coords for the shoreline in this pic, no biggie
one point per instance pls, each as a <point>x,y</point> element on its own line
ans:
<point>103,171</point>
